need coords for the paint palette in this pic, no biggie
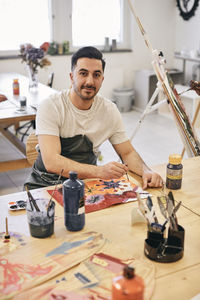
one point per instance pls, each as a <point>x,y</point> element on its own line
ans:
<point>17,205</point>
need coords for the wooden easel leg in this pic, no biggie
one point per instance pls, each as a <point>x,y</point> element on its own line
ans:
<point>193,122</point>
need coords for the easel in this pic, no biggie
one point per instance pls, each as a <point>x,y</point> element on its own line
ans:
<point>149,108</point>
<point>187,134</point>
<point>152,107</point>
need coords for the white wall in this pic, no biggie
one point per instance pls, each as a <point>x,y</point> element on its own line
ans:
<point>158,18</point>
<point>187,38</point>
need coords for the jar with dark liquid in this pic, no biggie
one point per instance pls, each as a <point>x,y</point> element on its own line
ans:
<point>174,172</point>
<point>73,200</point>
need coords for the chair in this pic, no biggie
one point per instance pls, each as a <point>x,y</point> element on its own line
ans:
<point>50,79</point>
<point>31,124</point>
<point>31,151</point>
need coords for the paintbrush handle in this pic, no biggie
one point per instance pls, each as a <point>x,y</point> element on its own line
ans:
<point>49,204</point>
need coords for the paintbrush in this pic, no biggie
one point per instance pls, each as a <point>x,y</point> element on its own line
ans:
<point>185,91</point>
<point>32,200</point>
<point>49,204</point>
<point>7,235</point>
<point>125,165</point>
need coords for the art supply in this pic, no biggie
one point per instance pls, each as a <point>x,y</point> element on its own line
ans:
<point>128,286</point>
<point>7,235</point>
<point>125,165</point>
<point>22,103</point>
<point>15,87</point>
<point>73,200</point>
<point>41,221</point>
<point>194,85</point>
<point>49,204</point>
<point>158,247</point>
<point>174,172</point>
<point>32,201</point>
<point>17,205</point>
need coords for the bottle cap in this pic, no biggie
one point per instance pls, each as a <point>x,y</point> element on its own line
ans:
<point>15,80</point>
<point>175,159</point>
<point>128,272</point>
<point>72,175</point>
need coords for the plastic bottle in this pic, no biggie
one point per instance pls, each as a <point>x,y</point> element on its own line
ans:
<point>128,286</point>
<point>15,87</point>
<point>73,199</point>
<point>174,172</point>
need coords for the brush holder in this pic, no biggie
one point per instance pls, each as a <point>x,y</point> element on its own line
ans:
<point>162,249</point>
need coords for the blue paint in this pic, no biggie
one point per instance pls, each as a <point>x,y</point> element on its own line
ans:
<point>73,200</point>
<point>66,246</point>
<point>82,278</point>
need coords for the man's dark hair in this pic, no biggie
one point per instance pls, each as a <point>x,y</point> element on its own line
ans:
<point>90,52</point>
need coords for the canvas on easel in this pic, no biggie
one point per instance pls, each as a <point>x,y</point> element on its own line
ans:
<point>187,133</point>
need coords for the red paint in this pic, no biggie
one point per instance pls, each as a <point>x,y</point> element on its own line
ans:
<point>128,286</point>
<point>14,275</point>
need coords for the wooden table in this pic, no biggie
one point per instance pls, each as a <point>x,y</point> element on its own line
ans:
<point>9,115</point>
<point>178,280</point>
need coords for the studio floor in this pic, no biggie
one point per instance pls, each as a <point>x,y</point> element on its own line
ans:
<point>156,138</point>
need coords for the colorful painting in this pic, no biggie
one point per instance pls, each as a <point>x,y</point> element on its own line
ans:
<point>100,194</point>
<point>92,279</point>
<point>14,275</point>
<point>41,261</point>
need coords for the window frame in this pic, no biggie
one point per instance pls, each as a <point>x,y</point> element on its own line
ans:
<point>60,12</point>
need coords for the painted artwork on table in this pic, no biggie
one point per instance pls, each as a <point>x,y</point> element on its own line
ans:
<point>43,261</point>
<point>92,278</point>
<point>100,194</point>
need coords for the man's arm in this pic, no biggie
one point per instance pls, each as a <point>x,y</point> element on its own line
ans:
<point>137,165</point>
<point>54,162</point>
<point>2,98</point>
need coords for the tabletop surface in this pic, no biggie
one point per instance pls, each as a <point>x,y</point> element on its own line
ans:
<point>8,109</point>
<point>177,280</point>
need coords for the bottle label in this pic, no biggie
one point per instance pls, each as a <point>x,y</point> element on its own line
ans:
<point>81,209</point>
<point>16,89</point>
<point>174,179</point>
<point>174,174</point>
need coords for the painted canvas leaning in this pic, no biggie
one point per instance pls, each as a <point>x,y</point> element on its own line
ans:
<point>187,133</point>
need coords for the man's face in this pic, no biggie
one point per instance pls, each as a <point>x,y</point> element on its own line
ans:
<point>87,77</point>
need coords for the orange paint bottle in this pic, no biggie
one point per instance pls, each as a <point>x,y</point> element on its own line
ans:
<point>128,286</point>
<point>15,87</point>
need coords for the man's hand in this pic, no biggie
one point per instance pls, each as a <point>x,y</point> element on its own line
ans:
<point>2,98</point>
<point>111,170</point>
<point>151,179</point>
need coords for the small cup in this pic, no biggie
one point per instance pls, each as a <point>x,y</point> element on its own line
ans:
<point>23,103</point>
<point>41,223</point>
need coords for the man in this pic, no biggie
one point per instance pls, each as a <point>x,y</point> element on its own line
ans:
<point>2,98</point>
<point>72,125</point>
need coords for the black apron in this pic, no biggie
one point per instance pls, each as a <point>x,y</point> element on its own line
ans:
<point>78,148</point>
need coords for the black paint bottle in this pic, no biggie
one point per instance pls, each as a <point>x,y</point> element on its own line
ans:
<point>73,200</point>
<point>174,172</point>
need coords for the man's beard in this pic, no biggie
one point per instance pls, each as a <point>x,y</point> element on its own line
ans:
<point>86,97</point>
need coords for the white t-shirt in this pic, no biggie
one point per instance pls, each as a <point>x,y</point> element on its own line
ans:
<point>58,116</point>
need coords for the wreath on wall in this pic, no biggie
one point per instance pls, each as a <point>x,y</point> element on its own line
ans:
<point>187,8</point>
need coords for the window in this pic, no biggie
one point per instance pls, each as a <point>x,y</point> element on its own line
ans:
<point>93,20</point>
<point>23,21</point>
<point>81,22</point>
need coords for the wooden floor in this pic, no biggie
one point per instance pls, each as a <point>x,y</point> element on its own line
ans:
<point>155,140</point>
